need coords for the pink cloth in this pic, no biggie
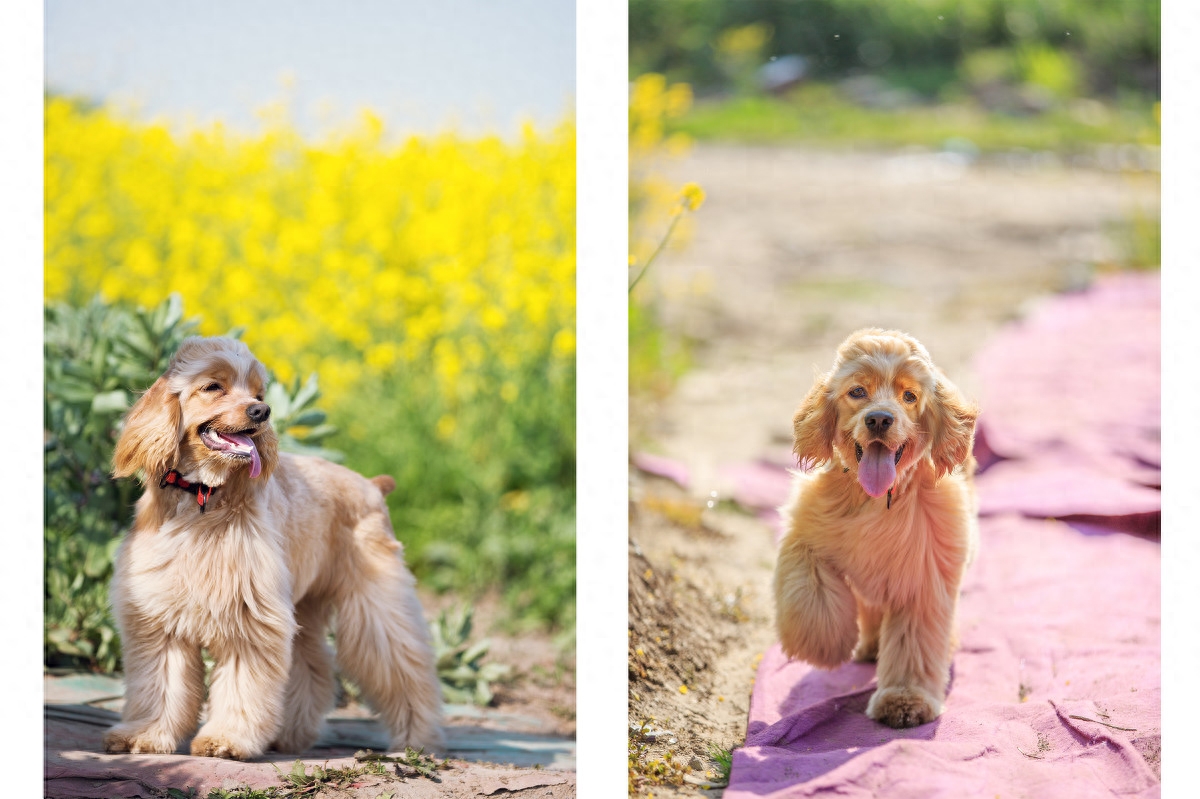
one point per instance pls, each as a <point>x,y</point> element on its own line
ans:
<point>659,466</point>
<point>1070,395</point>
<point>1073,618</point>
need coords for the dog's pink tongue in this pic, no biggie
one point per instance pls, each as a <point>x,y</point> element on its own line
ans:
<point>877,469</point>
<point>244,442</point>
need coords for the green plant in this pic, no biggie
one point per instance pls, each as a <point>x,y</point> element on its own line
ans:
<point>98,358</point>
<point>723,758</point>
<point>413,763</point>
<point>464,677</point>
<point>300,783</point>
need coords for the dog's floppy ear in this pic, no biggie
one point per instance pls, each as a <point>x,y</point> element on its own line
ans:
<point>951,425</point>
<point>814,426</point>
<point>150,440</point>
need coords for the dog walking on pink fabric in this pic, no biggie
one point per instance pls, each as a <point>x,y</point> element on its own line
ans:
<point>247,552</point>
<point>881,524</point>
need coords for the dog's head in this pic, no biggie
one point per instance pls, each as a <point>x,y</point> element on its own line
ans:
<point>881,409</point>
<point>205,417</point>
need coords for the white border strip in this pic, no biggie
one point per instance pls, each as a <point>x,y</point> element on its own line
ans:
<point>602,48</point>
<point>21,314</point>
<point>1180,390</point>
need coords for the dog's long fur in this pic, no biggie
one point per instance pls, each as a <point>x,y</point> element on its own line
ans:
<point>255,579</point>
<point>855,578</point>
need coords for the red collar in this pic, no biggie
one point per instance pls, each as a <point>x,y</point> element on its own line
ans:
<point>202,491</point>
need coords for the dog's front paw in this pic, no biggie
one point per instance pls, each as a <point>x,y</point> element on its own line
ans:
<point>137,740</point>
<point>904,706</point>
<point>221,745</point>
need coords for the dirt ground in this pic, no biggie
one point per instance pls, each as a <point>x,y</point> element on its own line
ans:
<point>792,250</point>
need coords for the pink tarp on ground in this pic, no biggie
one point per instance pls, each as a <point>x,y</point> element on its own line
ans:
<point>1070,620</point>
<point>1059,621</point>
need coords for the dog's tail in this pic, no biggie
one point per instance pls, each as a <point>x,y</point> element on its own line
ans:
<point>384,483</point>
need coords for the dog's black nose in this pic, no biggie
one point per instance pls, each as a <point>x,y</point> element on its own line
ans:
<point>879,421</point>
<point>259,412</point>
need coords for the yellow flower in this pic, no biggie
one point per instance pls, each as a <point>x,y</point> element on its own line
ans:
<point>691,196</point>
<point>447,258</point>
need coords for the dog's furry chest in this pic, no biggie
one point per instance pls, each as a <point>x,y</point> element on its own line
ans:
<point>885,557</point>
<point>207,584</point>
<point>891,556</point>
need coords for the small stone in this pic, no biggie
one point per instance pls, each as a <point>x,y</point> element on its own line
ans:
<point>695,764</point>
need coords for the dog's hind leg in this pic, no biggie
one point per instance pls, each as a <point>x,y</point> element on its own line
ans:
<point>310,689</point>
<point>870,619</point>
<point>383,643</point>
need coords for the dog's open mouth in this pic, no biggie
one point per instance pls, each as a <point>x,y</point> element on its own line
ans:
<point>238,445</point>
<point>877,466</point>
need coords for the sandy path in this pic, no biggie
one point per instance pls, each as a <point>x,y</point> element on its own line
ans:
<point>792,250</point>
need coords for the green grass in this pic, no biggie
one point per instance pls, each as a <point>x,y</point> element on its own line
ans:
<point>657,357</point>
<point>817,115</point>
<point>490,509</point>
<point>723,758</point>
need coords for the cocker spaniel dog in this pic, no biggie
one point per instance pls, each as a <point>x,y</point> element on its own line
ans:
<point>882,525</point>
<point>248,552</point>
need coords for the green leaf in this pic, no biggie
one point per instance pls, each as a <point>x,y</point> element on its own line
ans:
<point>477,651</point>
<point>309,418</point>
<point>111,402</point>
<point>483,693</point>
<point>307,393</point>
<point>316,434</point>
<point>277,397</point>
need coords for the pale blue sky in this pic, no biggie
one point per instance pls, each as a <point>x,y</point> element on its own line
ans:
<point>424,66</point>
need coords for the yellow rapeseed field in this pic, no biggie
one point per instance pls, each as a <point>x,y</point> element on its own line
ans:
<point>429,282</point>
<point>352,257</point>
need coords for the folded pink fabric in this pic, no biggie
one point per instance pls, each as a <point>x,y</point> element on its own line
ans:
<point>1071,398</point>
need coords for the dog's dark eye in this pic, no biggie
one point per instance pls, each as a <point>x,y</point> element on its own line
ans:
<point>909,396</point>
<point>212,387</point>
<point>858,392</point>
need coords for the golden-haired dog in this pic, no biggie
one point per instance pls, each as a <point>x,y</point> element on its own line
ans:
<point>247,552</point>
<point>880,529</point>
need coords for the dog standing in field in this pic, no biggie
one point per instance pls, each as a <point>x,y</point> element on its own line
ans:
<point>247,552</point>
<point>878,537</point>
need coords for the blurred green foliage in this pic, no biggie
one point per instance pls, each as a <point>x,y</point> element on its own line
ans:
<point>465,678</point>
<point>1086,46</point>
<point>491,508</point>
<point>818,114</point>
<point>98,359</point>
